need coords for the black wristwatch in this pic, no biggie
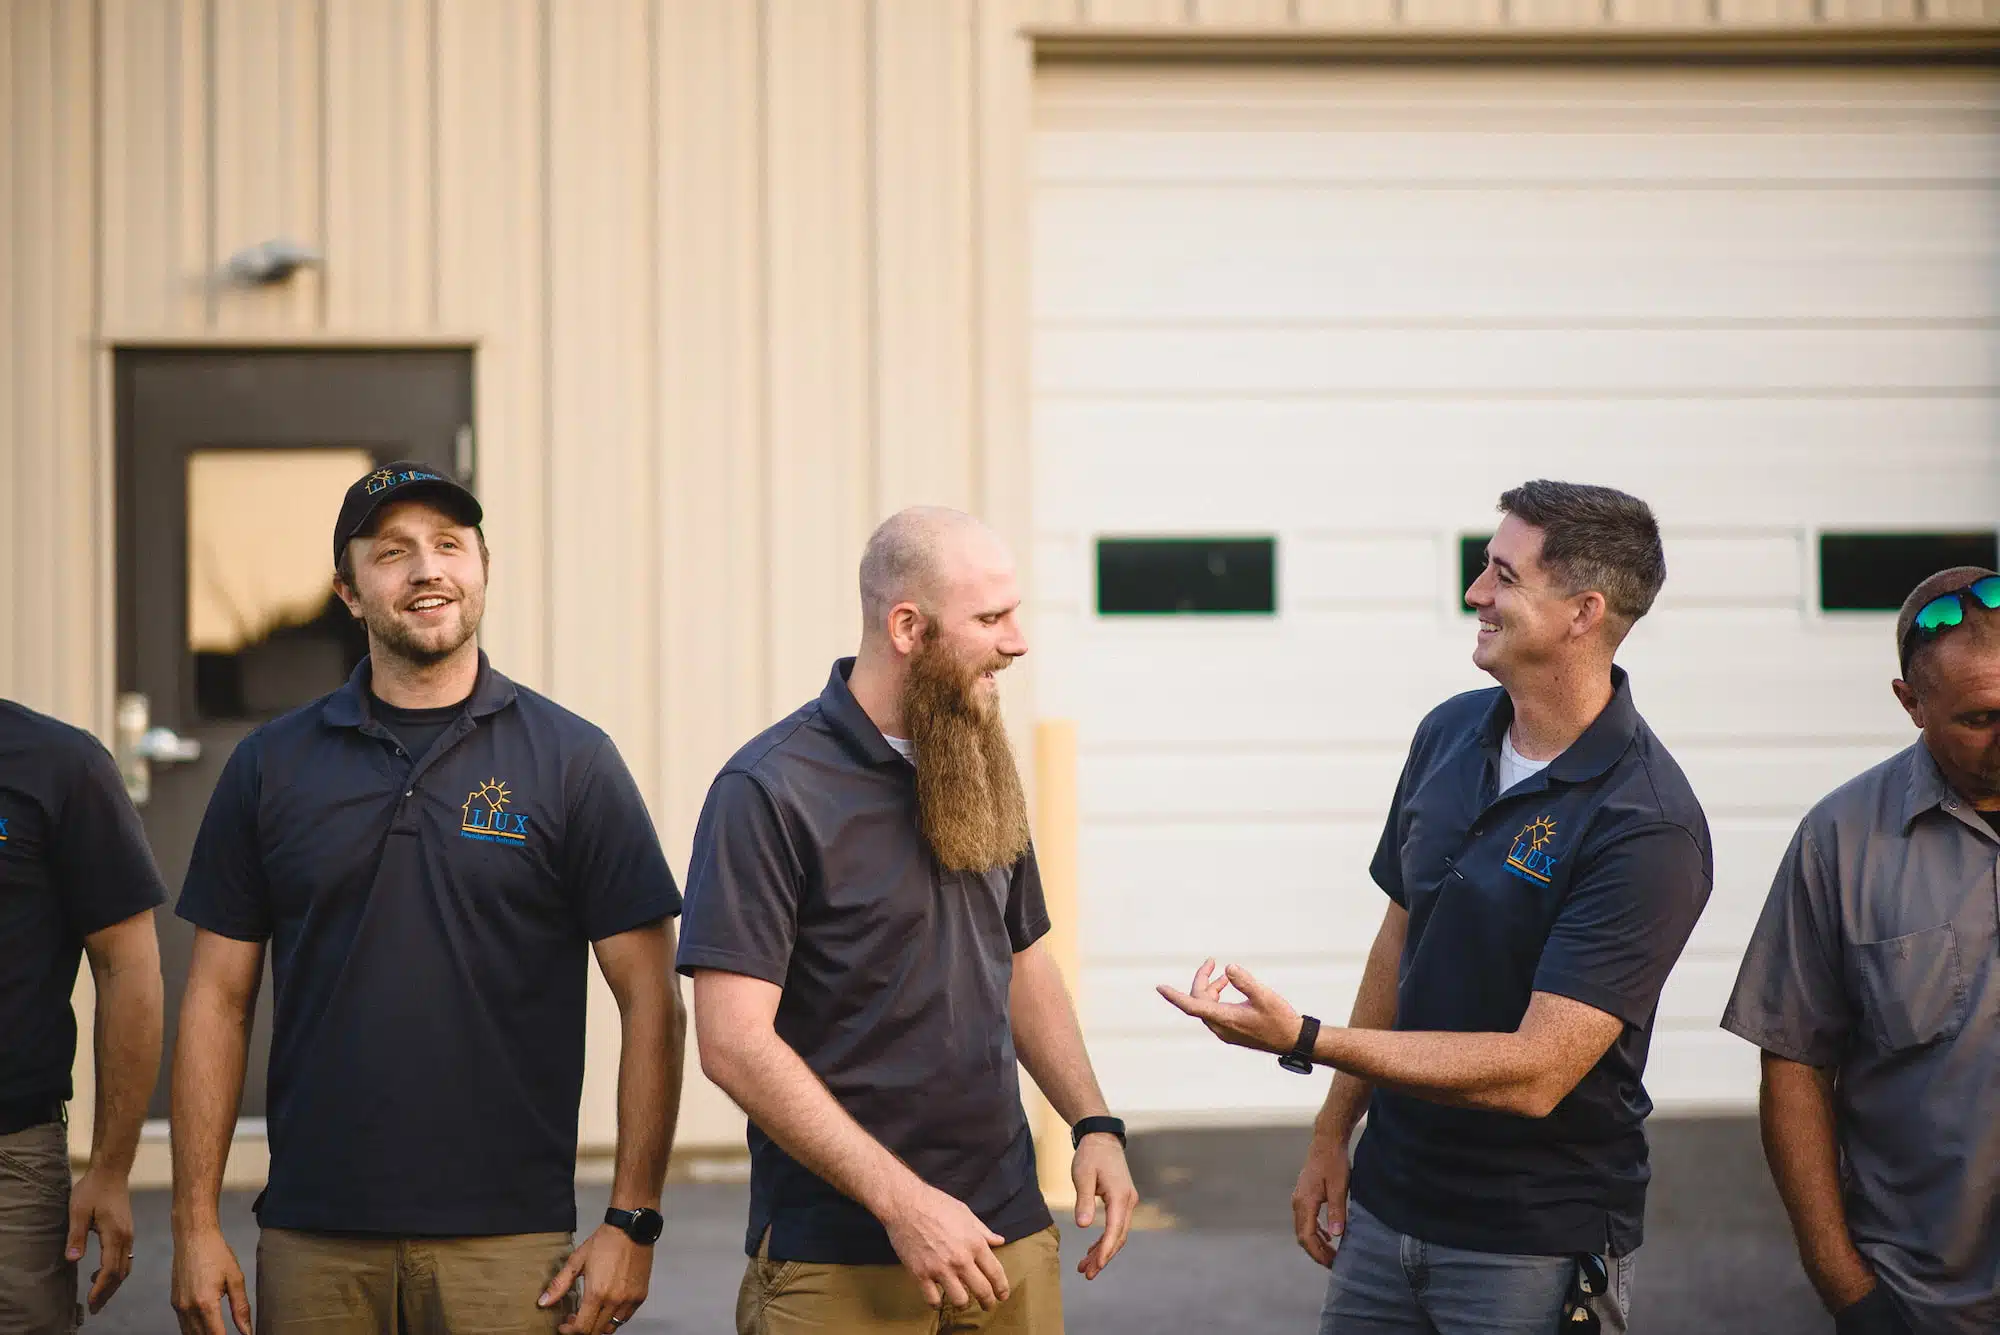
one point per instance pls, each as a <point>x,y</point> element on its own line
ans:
<point>1086,1125</point>
<point>1300,1058</point>
<point>641,1225</point>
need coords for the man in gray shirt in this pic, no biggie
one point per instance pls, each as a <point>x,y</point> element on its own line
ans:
<point>1872,984</point>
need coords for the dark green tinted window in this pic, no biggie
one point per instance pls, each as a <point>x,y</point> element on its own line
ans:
<point>1874,572</point>
<point>1193,576</point>
<point>1471,560</point>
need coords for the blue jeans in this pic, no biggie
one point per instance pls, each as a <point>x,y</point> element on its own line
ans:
<point>1387,1284</point>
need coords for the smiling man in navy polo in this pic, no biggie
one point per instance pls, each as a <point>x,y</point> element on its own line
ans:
<point>1545,862</point>
<point>431,852</point>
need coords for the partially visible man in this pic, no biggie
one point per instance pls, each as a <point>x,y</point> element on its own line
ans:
<point>1872,986</point>
<point>432,852</point>
<point>76,878</point>
<point>863,926</point>
<point>1545,862</point>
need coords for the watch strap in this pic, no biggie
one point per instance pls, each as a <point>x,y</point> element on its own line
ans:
<point>1087,1125</point>
<point>1300,1059</point>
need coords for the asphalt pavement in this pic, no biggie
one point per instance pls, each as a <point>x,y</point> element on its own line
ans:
<point>1216,1254</point>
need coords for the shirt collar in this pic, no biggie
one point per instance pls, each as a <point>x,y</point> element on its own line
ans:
<point>1589,756</point>
<point>348,707</point>
<point>847,718</point>
<point>1927,789</point>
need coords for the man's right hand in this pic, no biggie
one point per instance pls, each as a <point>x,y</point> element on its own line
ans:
<point>1322,1183</point>
<point>950,1252</point>
<point>206,1276</point>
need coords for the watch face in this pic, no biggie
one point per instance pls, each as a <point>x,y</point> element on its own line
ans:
<point>646,1226</point>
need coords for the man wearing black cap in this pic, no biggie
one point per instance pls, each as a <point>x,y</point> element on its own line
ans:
<point>1872,984</point>
<point>428,850</point>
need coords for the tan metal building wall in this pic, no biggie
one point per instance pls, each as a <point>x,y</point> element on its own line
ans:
<point>742,276</point>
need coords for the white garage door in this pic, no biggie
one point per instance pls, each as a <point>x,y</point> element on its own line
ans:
<point>1347,307</point>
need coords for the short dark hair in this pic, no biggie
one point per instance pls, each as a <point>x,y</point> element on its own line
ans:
<point>1595,538</point>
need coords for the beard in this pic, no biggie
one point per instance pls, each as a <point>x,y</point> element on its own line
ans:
<point>970,805</point>
<point>427,648</point>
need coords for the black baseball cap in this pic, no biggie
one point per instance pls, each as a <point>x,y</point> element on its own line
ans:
<point>404,480</point>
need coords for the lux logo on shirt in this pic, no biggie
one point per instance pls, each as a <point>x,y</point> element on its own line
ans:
<point>486,819</point>
<point>1528,857</point>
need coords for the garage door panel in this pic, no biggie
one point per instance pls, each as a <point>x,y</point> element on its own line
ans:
<point>1250,464</point>
<point>1949,147</point>
<point>1698,990</point>
<point>1387,254</point>
<point>1118,1001</point>
<point>1346,307</point>
<point>1701,1070</point>
<point>1157,780</point>
<point>1310,361</point>
<point>1748,850</point>
<point>1238,783</point>
<point>1191,1079</point>
<point>1785,779</point>
<point>1355,679</point>
<point>1169,891</point>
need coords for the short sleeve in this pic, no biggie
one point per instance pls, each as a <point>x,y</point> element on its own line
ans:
<point>1027,910</point>
<point>743,885</point>
<point>225,891</point>
<point>1627,916</point>
<point>1789,997</point>
<point>1387,866</point>
<point>613,869</point>
<point>99,852</point>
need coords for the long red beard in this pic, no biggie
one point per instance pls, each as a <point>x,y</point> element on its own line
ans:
<point>970,804</point>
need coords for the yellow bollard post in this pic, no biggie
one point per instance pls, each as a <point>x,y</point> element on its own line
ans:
<point>1056,852</point>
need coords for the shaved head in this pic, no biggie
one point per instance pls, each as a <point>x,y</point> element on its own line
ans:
<point>912,556</point>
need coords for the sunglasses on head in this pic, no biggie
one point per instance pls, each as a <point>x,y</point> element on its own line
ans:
<point>1593,1277</point>
<point>1946,610</point>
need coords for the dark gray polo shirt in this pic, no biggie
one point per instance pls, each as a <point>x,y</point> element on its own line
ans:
<point>809,871</point>
<point>1875,956</point>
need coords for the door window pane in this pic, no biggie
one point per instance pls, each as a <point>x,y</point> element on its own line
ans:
<point>264,627</point>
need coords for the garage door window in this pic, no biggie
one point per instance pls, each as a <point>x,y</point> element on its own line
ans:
<point>1874,572</point>
<point>1187,576</point>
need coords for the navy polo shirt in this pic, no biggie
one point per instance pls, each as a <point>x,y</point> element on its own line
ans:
<point>73,861</point>
<point>429,919</point>
<point>1584,880</point>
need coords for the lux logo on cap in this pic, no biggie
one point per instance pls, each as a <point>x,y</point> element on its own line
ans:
<point>382,479</point>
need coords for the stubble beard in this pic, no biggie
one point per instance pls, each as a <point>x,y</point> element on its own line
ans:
<point>970,803</point>
<point>389,637</point>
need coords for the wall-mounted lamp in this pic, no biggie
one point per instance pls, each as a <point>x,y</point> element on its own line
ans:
<point>270,262</point>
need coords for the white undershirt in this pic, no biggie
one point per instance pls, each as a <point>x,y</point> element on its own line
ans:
<point>904,747</point>
<point>1514,766</point>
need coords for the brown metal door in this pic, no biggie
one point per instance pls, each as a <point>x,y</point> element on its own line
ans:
<point>231,467</point>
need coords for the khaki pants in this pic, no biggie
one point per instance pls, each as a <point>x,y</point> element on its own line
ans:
<point>333,1284</point>
<point>796,1297</point>
<point>37,1282</point>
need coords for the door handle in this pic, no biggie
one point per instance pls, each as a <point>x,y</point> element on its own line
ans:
<point>141,746</point>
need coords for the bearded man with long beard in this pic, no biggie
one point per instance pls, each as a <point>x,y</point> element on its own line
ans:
<point>862,925</point>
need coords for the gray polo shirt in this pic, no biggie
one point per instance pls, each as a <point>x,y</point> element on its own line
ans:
<point>1876,956</point>
<point>809,871</point>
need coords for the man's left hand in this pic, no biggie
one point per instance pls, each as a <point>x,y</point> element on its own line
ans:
<point>1263,1020</point>
<point>1100,1172</point>
<point>616,1273</point>
<point>102,1204</point>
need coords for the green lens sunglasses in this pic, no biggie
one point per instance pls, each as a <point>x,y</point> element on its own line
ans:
<point>1946,610</point>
